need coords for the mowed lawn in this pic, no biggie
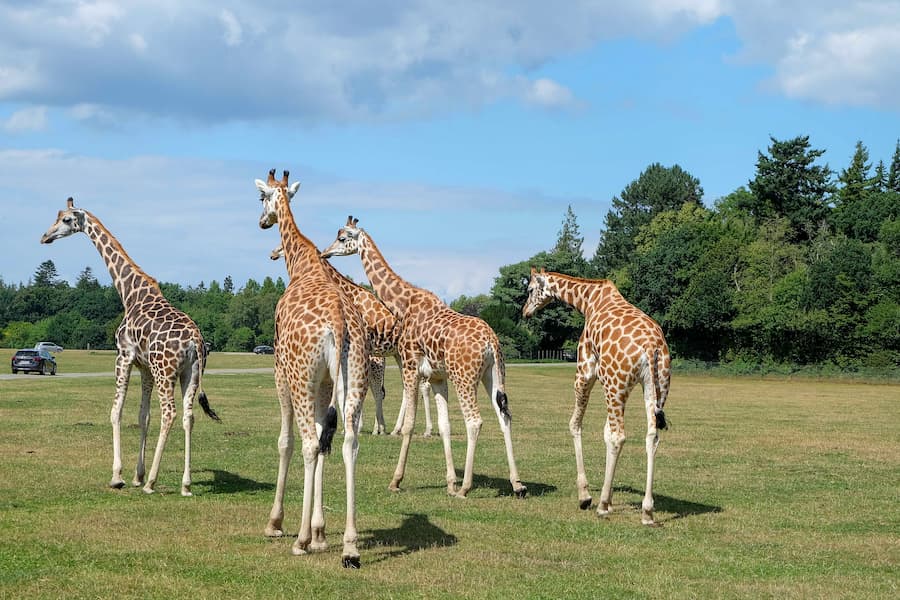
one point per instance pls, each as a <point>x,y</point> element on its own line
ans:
<point>764,487</point>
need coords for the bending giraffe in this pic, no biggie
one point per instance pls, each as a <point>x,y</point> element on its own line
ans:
<point>437,344</point>
<point>163,342</point>
<point>621,346</point>
<point>383,330</point>
<point>321,364</point>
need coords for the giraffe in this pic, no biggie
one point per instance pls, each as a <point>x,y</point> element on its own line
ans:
<point>163,342</point>
<point>437,344</point>
<point>621,346</point>
<point>320,367</point>
<point>383,330</point>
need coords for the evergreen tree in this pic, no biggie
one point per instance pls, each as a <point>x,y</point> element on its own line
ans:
<point>46,275</point>
<point>657,189</point>
<point>878,183</point>
<point>569,243</point>
<point>893,179</point>
<point>228,285</point>
<point>788,184</point>
<point>855,178</point>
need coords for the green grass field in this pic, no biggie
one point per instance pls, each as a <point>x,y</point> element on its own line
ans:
<point>765,488</point>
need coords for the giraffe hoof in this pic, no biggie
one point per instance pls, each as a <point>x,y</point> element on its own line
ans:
<point>394,488</point>
<point>117,484</point>
<point>148,490</point>
<point>298,551</point>
<point>585,504</point>
<point>273,532</point>
<point>186,493</point>
<point>350,562</point>
<point>521,492</point>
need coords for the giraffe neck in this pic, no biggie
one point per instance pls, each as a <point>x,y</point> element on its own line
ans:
<point>300,254</point>
<point>130,281</point>
<point>581,294</point>
<point>392,289</point>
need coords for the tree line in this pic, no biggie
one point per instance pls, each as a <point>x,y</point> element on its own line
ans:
<point>800,265</point>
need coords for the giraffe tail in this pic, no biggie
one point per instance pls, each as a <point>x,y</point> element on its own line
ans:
<point>657,392</point>
<point>201,397</point>
<point>328,430</point>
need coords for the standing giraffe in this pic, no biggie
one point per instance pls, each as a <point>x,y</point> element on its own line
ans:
<point>163,342</point>
<point>437,343</point>
<point>621,346</point>
<point>383,330</point>
<point>320,364</point>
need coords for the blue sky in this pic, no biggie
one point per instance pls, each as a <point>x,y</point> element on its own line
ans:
<point>458,133</point>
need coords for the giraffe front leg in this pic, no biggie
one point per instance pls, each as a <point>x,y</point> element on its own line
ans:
<point>144,424</point>
<point>274,528</point>
<point>410,385</point>
<point>123,373</point>
<point>583,387</point>
<point>440,392</point>
<point>376,384</point>
<point>166,392</point>
<point>424,392</point>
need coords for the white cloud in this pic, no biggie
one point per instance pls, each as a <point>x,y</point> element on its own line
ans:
<point>33,118</point>
<point>233,31</point>
<point>138,42</point>
<point>833,52</point>
<point>549,94</point>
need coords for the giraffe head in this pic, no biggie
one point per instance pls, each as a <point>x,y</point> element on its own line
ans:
<point>277,253</point>
<point>68,221</point>
<point>347,241</point>
<point>539,294</point>
<point>271,192</point>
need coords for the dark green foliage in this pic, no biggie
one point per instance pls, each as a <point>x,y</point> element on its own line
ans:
<point>789,184</point>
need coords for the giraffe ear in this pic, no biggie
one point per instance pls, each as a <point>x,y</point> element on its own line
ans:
<point>293,189</point>
<point>263,187</point>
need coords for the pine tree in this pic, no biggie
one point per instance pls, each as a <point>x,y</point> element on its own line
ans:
<point>568,245</point>
<point>878,183</point>
<point>46,274</point>
<point>855,178</point>
<point>893,179</point>
<point>788,184</point>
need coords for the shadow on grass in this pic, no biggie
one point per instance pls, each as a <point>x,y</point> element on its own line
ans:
<point>667,504</point>
<point>502,486</point>
<point>223,482</point>
<point>415,533</point>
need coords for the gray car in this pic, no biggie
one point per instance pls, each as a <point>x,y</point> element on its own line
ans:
<point>35,361</point>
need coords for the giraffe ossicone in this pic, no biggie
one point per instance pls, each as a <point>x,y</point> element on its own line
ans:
<point>162,341</point>
<point>621,346</point>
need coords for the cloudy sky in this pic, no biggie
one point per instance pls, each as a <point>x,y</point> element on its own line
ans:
<point>457,132</point>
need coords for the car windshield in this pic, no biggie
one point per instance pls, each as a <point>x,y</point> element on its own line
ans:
<point>27,353</point>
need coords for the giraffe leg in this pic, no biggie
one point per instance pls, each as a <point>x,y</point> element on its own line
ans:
<point>401,415</point>
<point>467,398</point>
<point>425,392</point>
<point>123,374</point>
<point>144,423</point>
<point>350,451</point>
<point>318,540</point>
<point>166,391</point>
<point>614,436</point>
<point>440,390</point>
<point>376,384</point>
<point>583,386</point>
<point>498,395</point>
<point>410,387</point>
<point>190,381</point>
<point>310,449</point>
<point>274,528</point>
<point>652,442</point>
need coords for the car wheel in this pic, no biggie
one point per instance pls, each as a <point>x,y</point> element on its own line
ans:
<point>53,372</point>
<point>44,369</point>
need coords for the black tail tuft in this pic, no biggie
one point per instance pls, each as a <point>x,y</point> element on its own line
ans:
<point>661,420</point>
<point>328,430</point>
<point>204,404</point>
<point>503,405</point>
